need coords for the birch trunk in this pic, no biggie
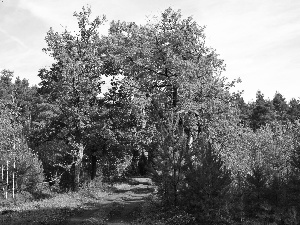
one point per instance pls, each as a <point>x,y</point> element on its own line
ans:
<point>13,187</point>
<point>6,179</point>
<point>2,175</point>
<point>78,165</point>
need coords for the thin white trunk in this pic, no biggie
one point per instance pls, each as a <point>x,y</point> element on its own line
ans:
<point>6,179</point>
<point>13,172</point>
<point>13,187</point>
<point>2,176</point>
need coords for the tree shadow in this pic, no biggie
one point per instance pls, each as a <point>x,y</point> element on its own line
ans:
<point>124,210</point>
<point>51,216</point>
<point>56,216</point>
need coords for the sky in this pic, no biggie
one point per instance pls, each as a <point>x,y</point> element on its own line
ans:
<point>258,40</point>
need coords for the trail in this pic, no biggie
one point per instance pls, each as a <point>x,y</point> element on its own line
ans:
<point>120,207</point>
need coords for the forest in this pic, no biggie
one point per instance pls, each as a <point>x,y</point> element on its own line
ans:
<point>169,114</point>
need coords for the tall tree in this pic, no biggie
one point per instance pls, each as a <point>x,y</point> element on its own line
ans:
<point>280,107</point>
<point>20,94</point>
<point>293,111</point>
<point>6,85</point>
<point>262,113</point>
<point>14,149</point>
<point>74,80</point>
<point>174,81</point>
<point>245,110</point>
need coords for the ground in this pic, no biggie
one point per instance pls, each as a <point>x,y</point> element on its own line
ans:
<point>119,206</point>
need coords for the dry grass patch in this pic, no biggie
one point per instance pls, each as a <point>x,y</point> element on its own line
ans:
<point>52,210</point>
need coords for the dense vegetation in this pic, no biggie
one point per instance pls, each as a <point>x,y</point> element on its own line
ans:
<point>169,114</point>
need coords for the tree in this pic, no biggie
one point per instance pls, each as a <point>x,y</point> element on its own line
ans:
<point>245,110</point>
<point>262,112</point>
<point>20,94</point>
<point>6,84</point>
<point>293,111</point>
<point>29,171</point>
<point>280,106</point>
<point>207,186</point>
<point>74,81</point>
<point>174,82</point>
<point>255,193</point>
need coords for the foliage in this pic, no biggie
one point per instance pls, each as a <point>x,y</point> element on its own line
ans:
<point>206,187</point>
<point>262,112</point>
<point>19,97</point>
<point>74,82</point>
<point>243,149</point>
<point>280,107</point>
<point>293,111</point>
<point>153,213</point>
<point>29,171</point>
<point>256,186</point>
<point>52,210</point>
<point>175,88</point>
<point>171,115</point>
<point>293,185</point>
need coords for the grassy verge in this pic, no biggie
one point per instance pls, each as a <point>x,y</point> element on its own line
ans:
<point>52,210</point>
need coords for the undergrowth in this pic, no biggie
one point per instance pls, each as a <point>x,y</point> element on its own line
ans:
<point>54,208</point>
<point>153,212</point>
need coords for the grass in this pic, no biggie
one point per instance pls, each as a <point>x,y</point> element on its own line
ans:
<point>118,202</point>
<point>53,209</point>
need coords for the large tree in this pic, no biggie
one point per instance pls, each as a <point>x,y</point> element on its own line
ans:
<point>175,85</point>
<point>74,81</point>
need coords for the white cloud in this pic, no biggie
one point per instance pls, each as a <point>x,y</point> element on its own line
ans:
<point>13,38</point>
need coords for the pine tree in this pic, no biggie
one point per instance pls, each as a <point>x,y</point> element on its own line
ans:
<point>207,183</point>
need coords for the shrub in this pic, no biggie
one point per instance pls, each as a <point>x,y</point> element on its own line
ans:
<point>153,212</point>
<point>206,186</point>
<point>28,168</point>
<point>256,194</point>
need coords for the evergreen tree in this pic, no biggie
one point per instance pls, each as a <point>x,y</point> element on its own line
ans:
<point>262,113</point>
<point>280,107</point>
<point>255,193</point>
<point>293,112</point>
<point>206,185</point>
<point>245,110</point>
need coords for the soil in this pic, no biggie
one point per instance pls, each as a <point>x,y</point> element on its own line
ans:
<point>120,207</point>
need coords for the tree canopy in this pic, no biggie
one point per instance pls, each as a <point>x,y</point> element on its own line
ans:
<point>169,113</point>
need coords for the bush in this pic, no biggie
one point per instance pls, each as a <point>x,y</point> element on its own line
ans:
<point>28,168</point>
<point>29,175</point>
<point>154,213</point>
<point>256,195</point>
<point>206,187</point>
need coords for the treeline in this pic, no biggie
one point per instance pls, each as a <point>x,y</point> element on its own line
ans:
<point>264,111</point>
<point>168,114</point>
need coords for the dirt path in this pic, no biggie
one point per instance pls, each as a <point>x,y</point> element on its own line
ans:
<point>120,207</point>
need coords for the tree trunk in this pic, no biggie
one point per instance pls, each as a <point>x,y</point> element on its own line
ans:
<point>175,187</point>
<point>174,96</point>
<point>93,165</point>
<point>78,165</point>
